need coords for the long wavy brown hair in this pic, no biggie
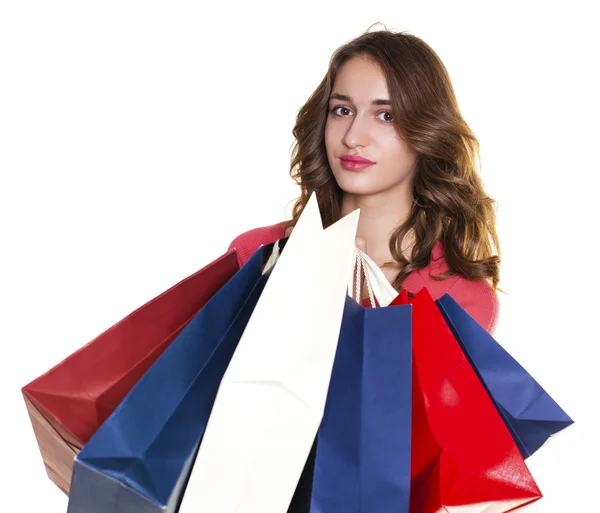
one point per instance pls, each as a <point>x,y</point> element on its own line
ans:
<point>449,200</point>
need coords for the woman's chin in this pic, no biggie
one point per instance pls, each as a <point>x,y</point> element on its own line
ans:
<point>360,186</point>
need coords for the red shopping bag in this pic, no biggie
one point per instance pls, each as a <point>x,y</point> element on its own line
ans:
<point>68,403</point>
<point>463,457</point>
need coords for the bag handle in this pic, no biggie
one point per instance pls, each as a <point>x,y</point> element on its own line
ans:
<point>376,281</point>
<point>361,269</point>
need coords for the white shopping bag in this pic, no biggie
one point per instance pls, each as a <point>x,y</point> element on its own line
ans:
<point>272,396</point>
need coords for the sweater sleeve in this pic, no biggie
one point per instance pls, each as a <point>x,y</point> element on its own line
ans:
<point>479,299</point>
<point>248,242</point>
<point>245,245</point>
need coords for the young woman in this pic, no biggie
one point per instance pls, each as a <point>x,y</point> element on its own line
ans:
<point>383,132</point>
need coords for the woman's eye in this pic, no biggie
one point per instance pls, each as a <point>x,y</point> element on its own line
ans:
<point>338,107</point>
<point>387,112</point>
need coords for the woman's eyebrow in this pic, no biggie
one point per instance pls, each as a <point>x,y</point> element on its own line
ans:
<point>346,98</point>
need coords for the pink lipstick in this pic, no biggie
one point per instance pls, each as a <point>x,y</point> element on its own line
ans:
<point>355,162</point>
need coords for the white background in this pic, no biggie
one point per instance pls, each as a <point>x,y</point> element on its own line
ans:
<point>137,139</point>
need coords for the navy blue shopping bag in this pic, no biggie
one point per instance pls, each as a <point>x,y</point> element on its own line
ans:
<point>531,415</point>
<point>363,449</point>
<point>139,460</point>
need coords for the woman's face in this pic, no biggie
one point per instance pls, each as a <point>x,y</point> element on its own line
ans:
<point>356,126</point>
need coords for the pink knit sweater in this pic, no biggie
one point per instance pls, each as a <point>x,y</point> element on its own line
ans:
<point>476,297</point>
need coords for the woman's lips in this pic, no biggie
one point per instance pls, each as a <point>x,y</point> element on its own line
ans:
<point>351,165</point>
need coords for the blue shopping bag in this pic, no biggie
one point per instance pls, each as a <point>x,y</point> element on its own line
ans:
<point>139,460</point>
<point>531,415</point>
<point>363,448</point>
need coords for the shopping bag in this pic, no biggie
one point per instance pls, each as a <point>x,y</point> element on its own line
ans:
<point>69,402</point>
<point>531,415</point>
<point>139,459</point>
<point>463,456</point>
<point>271,399</point>
<point>363,453</point>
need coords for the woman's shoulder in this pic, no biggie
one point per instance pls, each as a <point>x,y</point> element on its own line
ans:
<point>249,241</point>
<point>477,297</point>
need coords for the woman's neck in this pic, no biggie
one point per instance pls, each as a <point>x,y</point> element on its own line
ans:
<point>380,217</point>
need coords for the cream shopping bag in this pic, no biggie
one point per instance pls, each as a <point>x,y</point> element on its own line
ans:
<point>272,397</point>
